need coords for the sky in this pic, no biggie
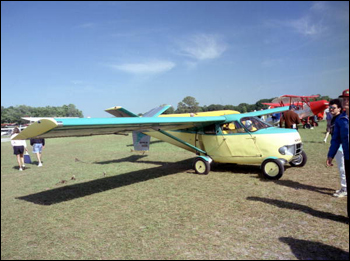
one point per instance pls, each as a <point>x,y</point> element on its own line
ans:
<point>140,55</point>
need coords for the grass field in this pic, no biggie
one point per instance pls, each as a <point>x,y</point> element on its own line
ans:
<point>95,199</point>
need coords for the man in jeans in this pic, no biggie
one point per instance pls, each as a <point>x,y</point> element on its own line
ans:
<point>341,137</point>
<point>335,109</point>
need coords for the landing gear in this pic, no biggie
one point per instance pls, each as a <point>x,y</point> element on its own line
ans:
<point>202,166</point>
<point>272,169</point>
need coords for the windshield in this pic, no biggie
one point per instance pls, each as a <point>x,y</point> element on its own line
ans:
<point>254,124</point>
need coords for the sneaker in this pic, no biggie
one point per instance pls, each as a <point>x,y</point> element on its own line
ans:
<point>20,169</point>
<point>340,193</point>
<point>40,165</point>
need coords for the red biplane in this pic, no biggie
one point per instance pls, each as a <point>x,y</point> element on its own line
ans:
<point>305,106</point>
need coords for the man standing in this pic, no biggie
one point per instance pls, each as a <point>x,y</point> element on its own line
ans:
<point>341,137</point>
<point>291,118</point>
<point>336,109</point>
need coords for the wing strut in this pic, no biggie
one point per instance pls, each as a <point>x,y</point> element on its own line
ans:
<point>183,142</point>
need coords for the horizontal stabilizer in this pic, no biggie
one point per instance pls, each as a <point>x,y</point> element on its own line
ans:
<point>118,111</point>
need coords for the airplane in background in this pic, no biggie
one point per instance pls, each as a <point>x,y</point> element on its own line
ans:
<point>220,136</point>
<point>306,107</point>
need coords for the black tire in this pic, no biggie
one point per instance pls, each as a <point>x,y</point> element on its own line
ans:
<point>201,166</point>
<point>272,169</point>
<point>307,126</point>
<point>300,161</point>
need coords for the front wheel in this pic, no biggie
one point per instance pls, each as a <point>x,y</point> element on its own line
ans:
<point>307,126</point>
<point>201,166</point>
<point>272,169</point>
<point>299,161</point>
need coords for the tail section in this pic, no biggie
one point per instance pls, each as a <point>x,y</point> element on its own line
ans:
<point>141,141</point>
<point>156,111</point>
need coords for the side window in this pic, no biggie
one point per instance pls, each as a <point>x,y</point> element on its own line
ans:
<point>253,124</point>
<point>249,123</point>
<point>232,127</point>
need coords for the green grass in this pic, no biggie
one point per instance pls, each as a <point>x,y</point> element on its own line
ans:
<point>95,199</point>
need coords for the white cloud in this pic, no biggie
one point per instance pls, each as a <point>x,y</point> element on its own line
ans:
<point>202,47</point>
<point>153,67</point>
<point>306,26</point>
<point>319,6</point>
<point>314,22</point>
<point>338,11</point>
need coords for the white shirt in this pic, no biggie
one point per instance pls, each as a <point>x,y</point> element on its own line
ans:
<point>18,142</point>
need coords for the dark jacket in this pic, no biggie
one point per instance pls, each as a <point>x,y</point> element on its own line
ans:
<point>340,136</point>
<point>32,141</point>
<point>289,117</point>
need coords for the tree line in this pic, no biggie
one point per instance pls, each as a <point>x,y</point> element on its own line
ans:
<point>14,114</point>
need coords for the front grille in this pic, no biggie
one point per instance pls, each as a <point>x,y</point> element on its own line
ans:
<point>298,148</point>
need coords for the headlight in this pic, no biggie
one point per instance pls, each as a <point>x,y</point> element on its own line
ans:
<point>283,150</point>
<point>287,150</point>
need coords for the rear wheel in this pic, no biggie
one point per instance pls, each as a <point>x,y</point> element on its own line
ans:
<point>272,169</point>
<point>201,166</point>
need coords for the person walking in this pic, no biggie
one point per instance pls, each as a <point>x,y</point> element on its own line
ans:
<point>38,145</point>
<point>19,146</point>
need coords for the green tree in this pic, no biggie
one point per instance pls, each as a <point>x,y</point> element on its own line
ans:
<point>215,107</point>
<point>15,114</point>
<point>243,107</point>
<point>188,104</point>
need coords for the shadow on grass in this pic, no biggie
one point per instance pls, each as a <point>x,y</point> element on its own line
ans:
<point>70,192</point>
<point>27,167</point>
<point>302,208</point>
<point>296,185</point>
<point>132,158</point>
<point>310,250</point>
<point>243,169</point>
<point>235,168</point>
